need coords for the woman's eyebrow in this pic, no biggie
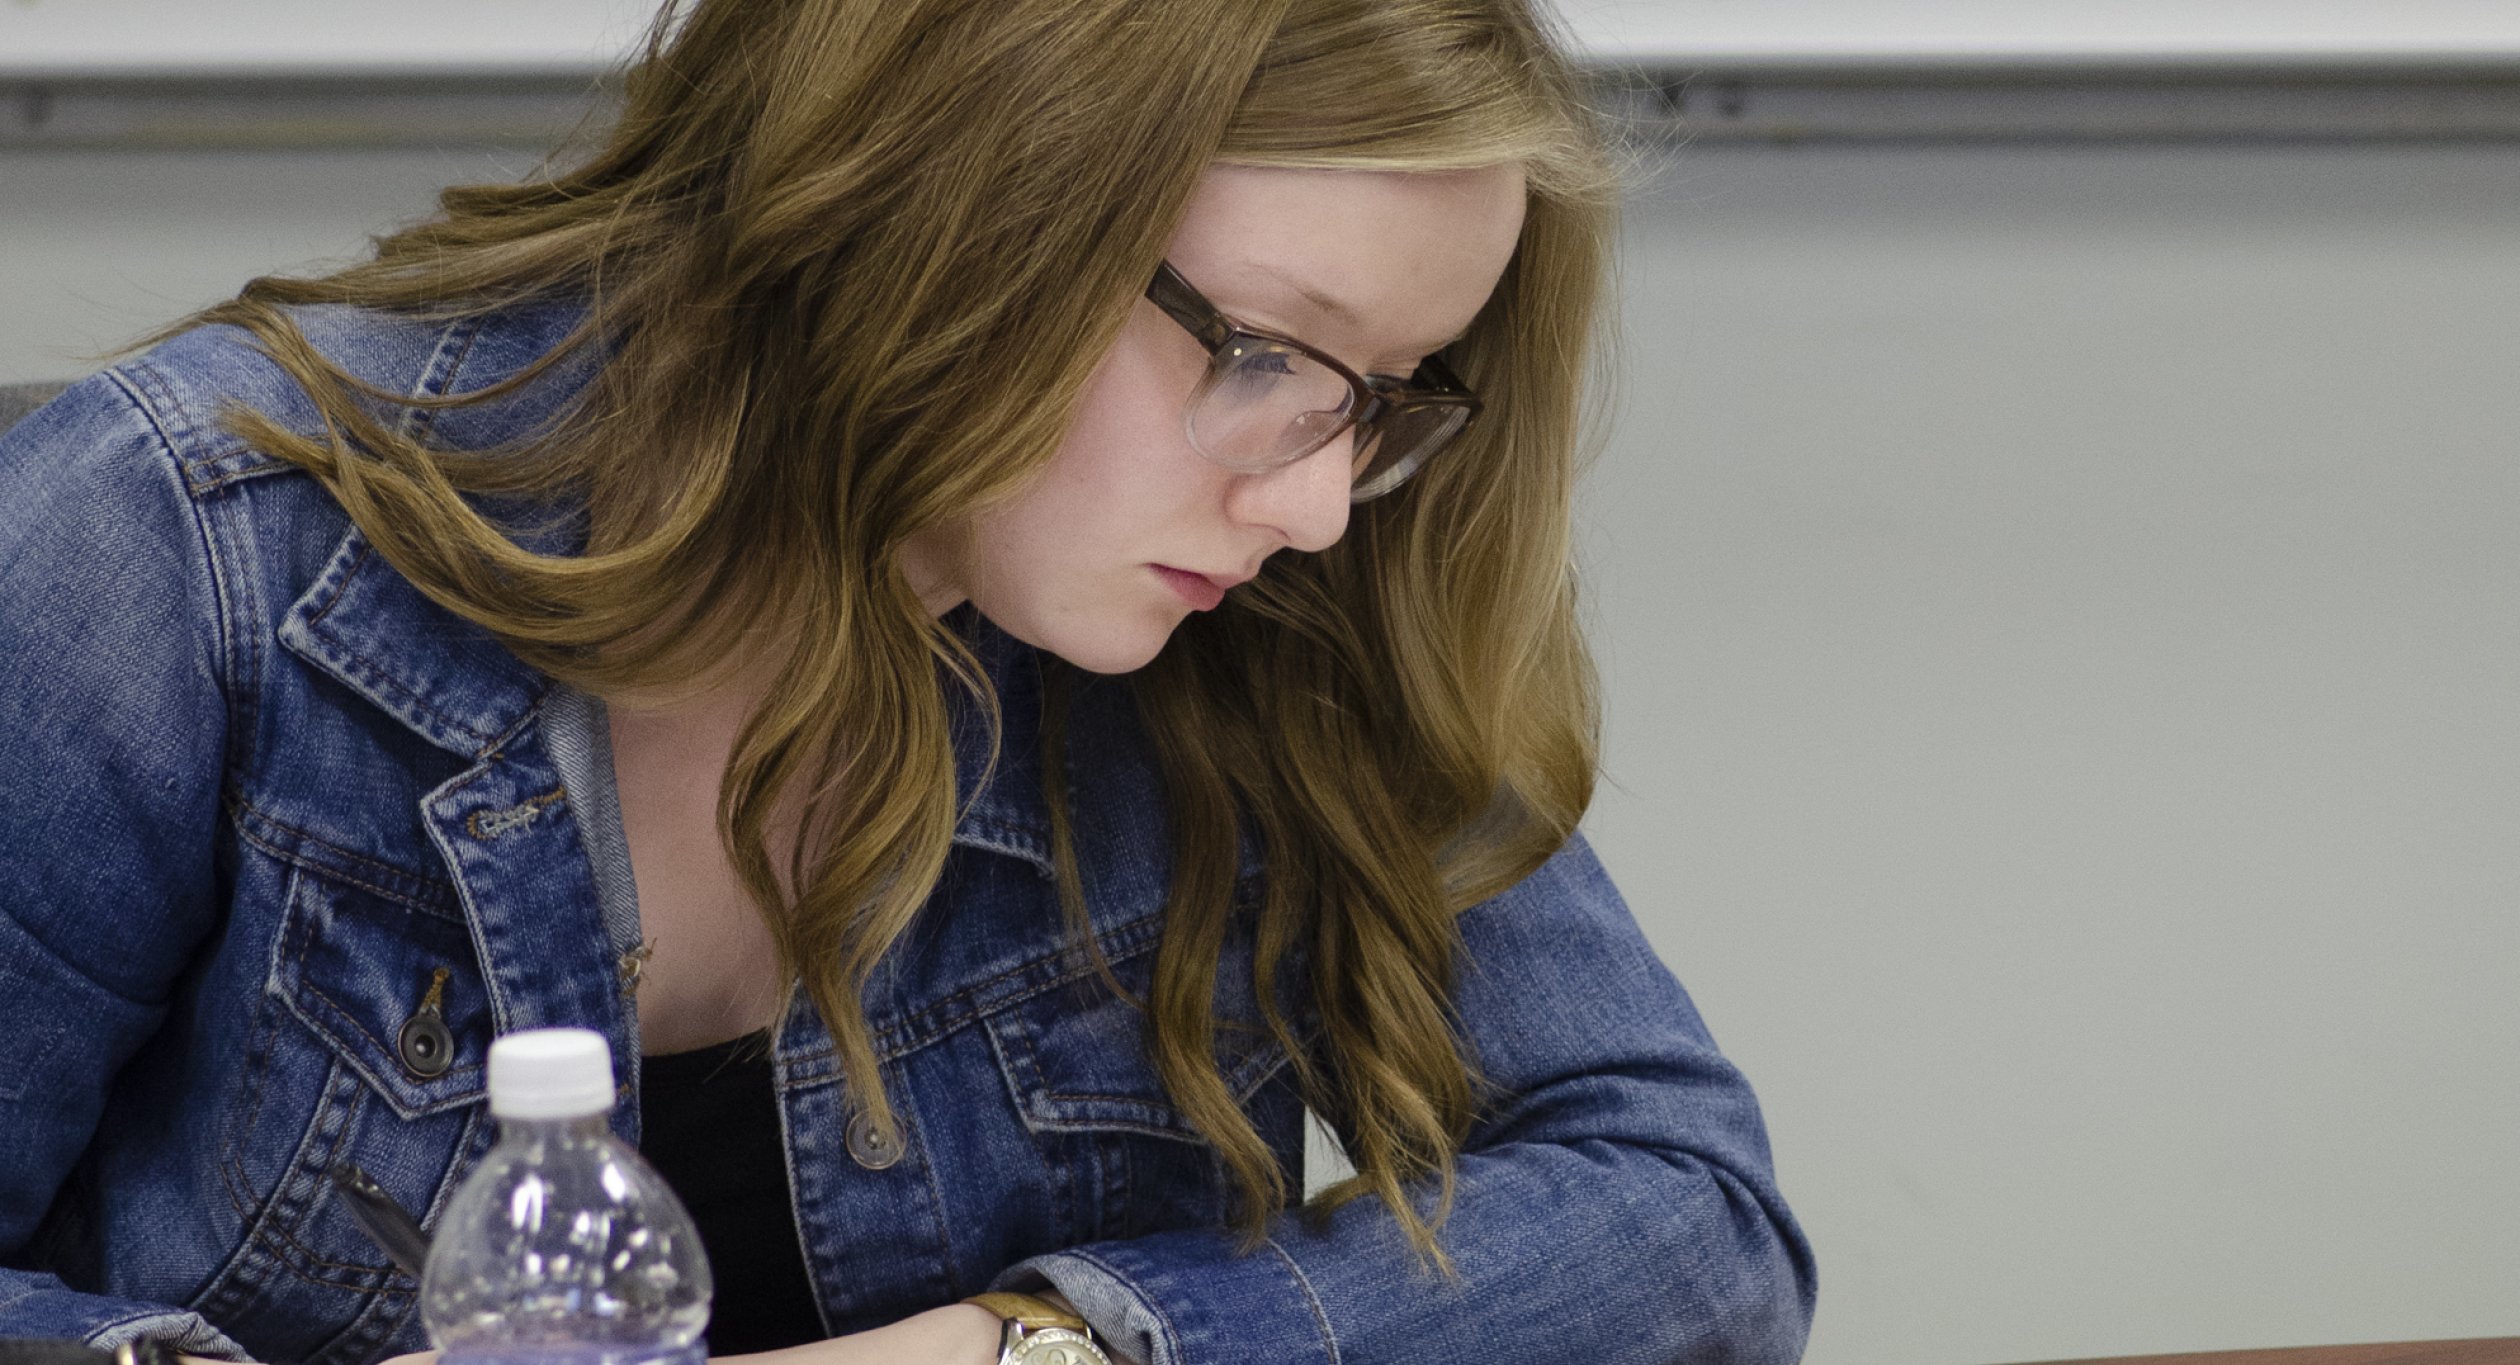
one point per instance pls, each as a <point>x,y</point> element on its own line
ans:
<point>1312,294</point>
<point>1333,305</point>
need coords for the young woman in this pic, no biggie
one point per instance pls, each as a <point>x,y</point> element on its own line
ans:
<point>985,590</point>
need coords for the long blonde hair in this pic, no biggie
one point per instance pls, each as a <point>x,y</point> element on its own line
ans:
<point>848,265</point>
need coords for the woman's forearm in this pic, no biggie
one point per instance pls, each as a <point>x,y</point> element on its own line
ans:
<point>957,1334</point>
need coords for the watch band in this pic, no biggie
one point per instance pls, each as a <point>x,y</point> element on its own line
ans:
<point>1039,1332</point>
<point>1032,1310</point>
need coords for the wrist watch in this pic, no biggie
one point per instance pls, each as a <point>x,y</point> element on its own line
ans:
<point>1039,1332</point>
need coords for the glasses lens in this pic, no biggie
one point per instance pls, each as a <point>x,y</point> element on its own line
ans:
<point>1393,448</point>
<point>1263,405</point>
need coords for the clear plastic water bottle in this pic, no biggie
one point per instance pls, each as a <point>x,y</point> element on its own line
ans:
<point>563,1248</point>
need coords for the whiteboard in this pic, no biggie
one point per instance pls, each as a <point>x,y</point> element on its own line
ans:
<point>2034,33</point>
<point>45,39</point>
<point>314,38</point>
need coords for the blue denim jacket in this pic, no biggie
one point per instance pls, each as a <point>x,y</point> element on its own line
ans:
<point>256,793</point>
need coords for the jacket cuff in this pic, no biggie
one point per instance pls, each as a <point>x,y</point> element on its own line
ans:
<point>36,1304</point>
<point>1188,1298</point>
<point>184,1333</point>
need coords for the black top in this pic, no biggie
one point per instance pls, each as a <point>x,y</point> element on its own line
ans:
<point>709,1123</point>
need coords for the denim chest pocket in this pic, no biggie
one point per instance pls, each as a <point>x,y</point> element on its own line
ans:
<point>328,1077</point>
<point>1081,1077</point>
<point>390,984</point>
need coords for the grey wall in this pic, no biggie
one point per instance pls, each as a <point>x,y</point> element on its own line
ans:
<point>2056,612</point>
<point>99,247</point>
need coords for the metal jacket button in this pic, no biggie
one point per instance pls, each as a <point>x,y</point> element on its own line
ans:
<point>426,1045</point>
<point>871,1146</point>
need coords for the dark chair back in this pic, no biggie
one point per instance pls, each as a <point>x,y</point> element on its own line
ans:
<point>17,400</point>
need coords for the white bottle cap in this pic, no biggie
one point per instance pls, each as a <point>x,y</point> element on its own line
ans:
<point>551,1073</point>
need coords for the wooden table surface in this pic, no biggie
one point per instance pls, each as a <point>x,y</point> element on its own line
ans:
<point>2496,1351</point>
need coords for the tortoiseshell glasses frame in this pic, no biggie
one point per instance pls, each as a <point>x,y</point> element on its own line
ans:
<point>1269,400</point>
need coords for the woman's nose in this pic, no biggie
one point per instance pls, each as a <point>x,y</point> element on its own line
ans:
<point>1306,502</point>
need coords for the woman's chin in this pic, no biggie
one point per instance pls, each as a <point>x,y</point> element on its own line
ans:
<point>1113,654</point>
<point>1108,647</point>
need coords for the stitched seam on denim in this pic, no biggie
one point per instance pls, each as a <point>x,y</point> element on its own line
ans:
<point>1274,1059</point>
<point>308,988</point>
<point>236,688</point>
<point>241,651</point>
<point>1242,1090</point>
<point>911,1032</point>
<point>358,1338</point>
<point>370,1279</point>
<point>1149,1117</point>
<point>375,675</point>
<point>448,794</point>
<point>1012,1048</point>
<point>338,872</point>
<point>146,374</point>
<point>208,486</point>
<point>260,1061</point>
<point>787,1165</point>
<point>1095,1097</point>
<point>998,836</point>
<point>370,672</point>
<point>339,584</point>
<point>419,423</point>
<point>286,1238</point>
<point>241,644</point>
<point>531,716</point>
<point>1321,1318</point>
<point>337,875</point>
<point>204,474</point>
<point>156,400</point>
<point>334,1007</point>
<point>332,596</point>
<point>1115,950</point>
<point>263,1232</point>
<point>233,1279</point>
<point>1155,1117</point>
<point>1145,1130</point>
<point>239,810</point>
<point>192,465</point>
<point>936,1193</point>
<point>260,1235</point>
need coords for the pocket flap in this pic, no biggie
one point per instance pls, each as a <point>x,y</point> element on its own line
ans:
<point>1076,1058</point>
<point>355,967</point>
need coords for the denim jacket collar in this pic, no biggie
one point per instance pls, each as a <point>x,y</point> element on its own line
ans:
<point>451,683</point>
<point>443,677</point>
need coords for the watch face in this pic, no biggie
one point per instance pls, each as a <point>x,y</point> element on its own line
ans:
<point>1056,1346</point>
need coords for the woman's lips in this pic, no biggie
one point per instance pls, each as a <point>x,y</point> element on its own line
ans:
<point>1199,590</point>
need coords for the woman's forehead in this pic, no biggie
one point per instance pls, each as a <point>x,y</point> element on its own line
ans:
<point>1398,261</point>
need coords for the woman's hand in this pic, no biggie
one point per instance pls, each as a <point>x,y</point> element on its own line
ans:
<point>957,1334</point>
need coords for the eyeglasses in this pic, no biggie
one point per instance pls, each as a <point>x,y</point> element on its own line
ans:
<point>1270,400</point>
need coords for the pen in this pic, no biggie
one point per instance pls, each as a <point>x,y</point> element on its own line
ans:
<point>383,1220</point>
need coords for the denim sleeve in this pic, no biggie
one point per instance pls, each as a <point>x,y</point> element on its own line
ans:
<point>1616,1204</point>
<point>113,721</point>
